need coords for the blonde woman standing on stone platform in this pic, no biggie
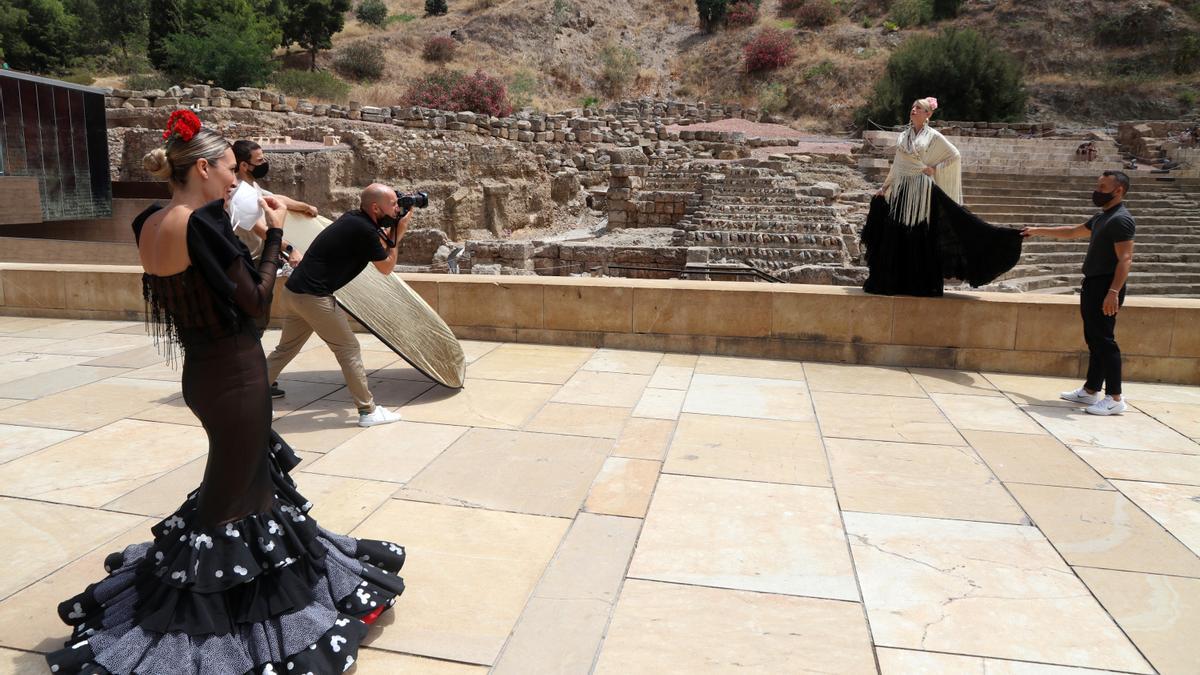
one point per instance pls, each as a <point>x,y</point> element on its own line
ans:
<point>917,232</point>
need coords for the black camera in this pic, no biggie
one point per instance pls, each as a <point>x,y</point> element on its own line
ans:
<point>415,200</point>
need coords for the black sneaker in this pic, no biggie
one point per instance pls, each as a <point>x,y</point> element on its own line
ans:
<point>276,392</point>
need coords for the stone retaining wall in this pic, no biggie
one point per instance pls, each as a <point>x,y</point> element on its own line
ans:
<point>970,331</point>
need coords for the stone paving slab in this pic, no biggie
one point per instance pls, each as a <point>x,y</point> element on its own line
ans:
<point>578,510</point>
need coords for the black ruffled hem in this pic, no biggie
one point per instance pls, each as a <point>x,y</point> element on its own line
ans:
<point>234,598</point>
<point>953,244</point>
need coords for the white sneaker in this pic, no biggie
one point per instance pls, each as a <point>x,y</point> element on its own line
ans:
<point>380,415</point>
<point>1081,395</point>
<point>1107,406</point>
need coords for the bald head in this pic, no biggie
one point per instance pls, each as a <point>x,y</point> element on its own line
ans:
<point>378,201</point>
<point>375,193</point>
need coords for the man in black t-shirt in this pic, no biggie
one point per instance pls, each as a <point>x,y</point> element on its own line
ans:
<point>1105,269</point>
<point>338,254</point>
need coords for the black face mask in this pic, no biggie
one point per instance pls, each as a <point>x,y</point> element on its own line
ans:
<point>260,170</point>
<point>1102,199</point>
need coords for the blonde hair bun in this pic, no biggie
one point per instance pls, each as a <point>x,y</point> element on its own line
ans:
<point>157,163</point>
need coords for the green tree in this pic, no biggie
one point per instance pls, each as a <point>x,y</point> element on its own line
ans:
<point>712,13</point>
<point>13,22</point>
<point>124,22</point>
<point>165,20</point>
<point>372,13</point>
<point>232,49</point>
<point>38,35</point>
<point>312,24</point>
<point>972,78</point>
<point>436,7</point>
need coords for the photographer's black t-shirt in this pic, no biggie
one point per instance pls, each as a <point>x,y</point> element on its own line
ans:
<point>337,255</point>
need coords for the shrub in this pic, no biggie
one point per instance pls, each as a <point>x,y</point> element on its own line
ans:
<point>618,69</point>
<point>360,61</point>
<point>318,84</point>
<point>819,71</point>
<point>439,49</point>
<point>482,93</point>
<point>769,50</point>
<point>562,10</point>
<point>1185,56</point>
<point>521,87</point>
<point>742,14</point>
<point>712,13</point>
<point>1142,24</point>
<point>972,78</point>
<point>814,13</point>
<point>372,13</point>
<point>149,80</point>
<point>946,9</point>
<point>908,13</point>
<point>773,99</point>
<point>79,76</point>
<point>454,91</point>
<point>435,7</point>
<point>589,102</point>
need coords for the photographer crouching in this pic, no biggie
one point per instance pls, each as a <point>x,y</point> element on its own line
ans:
<point>339,253</point>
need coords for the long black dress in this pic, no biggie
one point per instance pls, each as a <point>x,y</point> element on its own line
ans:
<point>239,579</point>
<point>952,243</point>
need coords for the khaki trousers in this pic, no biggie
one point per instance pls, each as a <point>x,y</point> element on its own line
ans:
<point>320,314</point>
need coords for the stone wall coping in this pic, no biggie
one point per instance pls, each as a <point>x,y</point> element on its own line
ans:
<point>735,287</point>
<point>794,289</point>
<point>976,331</point>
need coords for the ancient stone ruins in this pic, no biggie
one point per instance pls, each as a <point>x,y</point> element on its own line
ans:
<point>663,189</point>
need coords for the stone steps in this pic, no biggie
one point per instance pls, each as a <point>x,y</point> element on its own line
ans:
<point>777,258</point>
<point>1144,223</point>
<point>1069,285</point>
<point>1036,257</point>
<point>800,240</point>
<point>1080,246</point>
<point>1170,272</point>
<point>779,226</point>
<point>1151,207</point>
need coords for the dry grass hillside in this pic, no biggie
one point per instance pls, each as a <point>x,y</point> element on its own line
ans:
<point>1086,61</point>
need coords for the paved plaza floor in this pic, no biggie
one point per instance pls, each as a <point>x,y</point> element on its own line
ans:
<point>578,510</point>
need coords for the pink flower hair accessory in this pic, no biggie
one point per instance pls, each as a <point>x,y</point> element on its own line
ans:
<point>933,104</point>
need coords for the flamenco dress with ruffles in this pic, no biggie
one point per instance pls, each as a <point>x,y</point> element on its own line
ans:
<point>920,234</point>
<point>239,579</point>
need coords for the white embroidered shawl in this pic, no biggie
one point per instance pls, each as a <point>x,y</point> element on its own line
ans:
<point>908,190</point>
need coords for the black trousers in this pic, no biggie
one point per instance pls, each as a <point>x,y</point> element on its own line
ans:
<point>1104,366</point>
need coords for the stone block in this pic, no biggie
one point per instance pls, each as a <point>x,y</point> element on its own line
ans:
<point>491,304</point>
<point>959,322</point>
<point>686,311</point>
<point>826,189</point>
<point>44,289</point>
<point>137,102</point>
<point>589,308</point>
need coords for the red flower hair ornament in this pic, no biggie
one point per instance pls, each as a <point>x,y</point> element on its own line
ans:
<point>184,123</point>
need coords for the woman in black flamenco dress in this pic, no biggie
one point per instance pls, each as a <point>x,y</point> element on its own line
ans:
<point>239,579</point>
<point>917,231</point>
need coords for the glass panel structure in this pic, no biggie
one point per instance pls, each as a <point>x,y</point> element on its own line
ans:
<point>56,132</point>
